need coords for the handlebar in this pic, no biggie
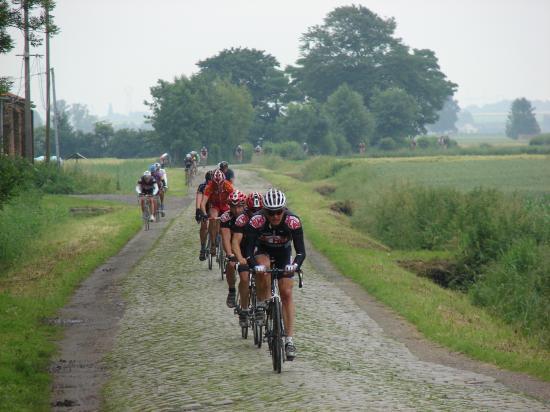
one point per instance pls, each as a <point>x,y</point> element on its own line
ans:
<point>279,272</point>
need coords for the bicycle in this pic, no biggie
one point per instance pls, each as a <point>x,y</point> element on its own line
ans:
<point>220,257</point>
<point>275,329</point>
<point>188,177</point>
<point>146,215</point>
<point>208,248</point>
<point>156,199</point>
<point>255,315</point>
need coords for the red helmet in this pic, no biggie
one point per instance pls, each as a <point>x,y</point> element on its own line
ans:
<point>254,201</point>
<point>218,177</point>
<point>237,198</point>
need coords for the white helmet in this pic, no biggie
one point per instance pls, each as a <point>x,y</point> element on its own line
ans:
<point>188,155</point>
<point>147,173</point>
<point>274,199</point>
<point>157,166</point>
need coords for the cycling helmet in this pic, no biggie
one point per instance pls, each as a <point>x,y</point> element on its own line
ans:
<point>218,177</point>
<point>254,201</point>
<point>237,198</point>
<point>223,164</point>
<point>157,166</point>
<point>208,175</point>
<point>152,169</point>
<point>147,173</point>
<point>188,156</point>
<point>274,199</point>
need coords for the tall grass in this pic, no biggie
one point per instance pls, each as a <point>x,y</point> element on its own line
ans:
<point>116,175</point>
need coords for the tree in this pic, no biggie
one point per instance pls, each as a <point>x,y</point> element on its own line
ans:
<point>80,117</point>
<point>12,17</point>
<point>521,119</point>
<point>349,117</point>
<point>259,72</point>
<point>196,111</point>
<point>307,122</point>
<point>396,114</point>
<point>357,47</point>
<point>447,118</point>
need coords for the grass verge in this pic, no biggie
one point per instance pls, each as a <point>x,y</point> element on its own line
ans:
<point>41,282</point>
<point>442,315</point>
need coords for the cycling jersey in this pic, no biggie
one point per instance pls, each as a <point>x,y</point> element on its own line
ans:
<point>188,163</point>
<point>275,241</point>
<point>147,185</point>
<point>201,187</point>
<point>159,178</point>
<point>218,196</point>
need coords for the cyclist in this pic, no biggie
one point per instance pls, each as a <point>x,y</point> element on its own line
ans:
<point>160,176</point>
<point>198,214</point>
<point>147,185</point>
<point>305,148</point>
<point>164,160</point>
<point>216,195</point>
<point>254,203</point>
<point>268,235</point>
<point>237,201</point>
<point>224,167</point>
<point>195,157</point>
<point>188,164</point>
<point>204,155</point>
<point>258,150</point>
<point>239,153</point>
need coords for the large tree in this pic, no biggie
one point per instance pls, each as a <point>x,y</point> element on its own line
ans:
<point>190,112</point>
<point>357,47</point>
<point>349,117</point>
<point>396,113</point>
<point>447,118</point>
<point>259,72</point>
<point>521,119</point>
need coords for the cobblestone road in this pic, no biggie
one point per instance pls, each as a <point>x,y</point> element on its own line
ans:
<point>179,348</point>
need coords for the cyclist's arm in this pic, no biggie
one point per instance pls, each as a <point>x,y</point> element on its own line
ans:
<point>249,244</point>
<point>204,202</point>
<point>236,246</point>
<point>226,240</point>
<point>198,199</point>
<point>138,189</point>
<point>155,189</point>
<point>299,246</point>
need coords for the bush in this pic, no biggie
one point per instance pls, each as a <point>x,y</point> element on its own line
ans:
<point>517,289</point>
<point>425,142</point>
<point>17,175</point>
<point>387,143</point>
<point>323,168</point>
<point>289,150</point>
<point>540,140</point>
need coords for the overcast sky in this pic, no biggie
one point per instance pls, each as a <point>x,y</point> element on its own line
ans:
<point>113,51</point>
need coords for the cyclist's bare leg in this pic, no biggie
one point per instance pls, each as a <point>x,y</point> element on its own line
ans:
<point>142,203</point>
<point>161,193</point>
<point>152,205</point>
<point>213,213</point>
<point>230,275</point>
<point>289,311</point>
<point>203,231</point>
<point>263,282</point>
<point>243,288</point>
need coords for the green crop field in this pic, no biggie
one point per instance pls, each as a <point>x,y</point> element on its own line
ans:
<point>467,140</point>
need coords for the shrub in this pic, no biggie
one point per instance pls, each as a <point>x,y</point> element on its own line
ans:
<point>540,140</point>
<point>17,175</point>
<point>425,142</point>
<point>517,288</point>
<point>387,143</point>
<point>289,150</point>
<point>323,168</point>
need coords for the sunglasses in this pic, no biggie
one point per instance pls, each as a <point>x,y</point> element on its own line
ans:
<point>274,212</point>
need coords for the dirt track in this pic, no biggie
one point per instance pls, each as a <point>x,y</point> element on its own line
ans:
<point>171,344</point>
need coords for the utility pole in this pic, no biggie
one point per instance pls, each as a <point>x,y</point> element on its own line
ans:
<point>56,120</point>
<point>47,12</point>
<point>28,125</point>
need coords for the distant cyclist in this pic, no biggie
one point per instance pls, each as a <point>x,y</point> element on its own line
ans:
<point>161,178</point>
<point>269,234</point>
<point>239,153</point>
<point>229,174</point>
<point>237,201</point>
<point>204,156</point>
<point>147,186</point>
<point>198,213</point>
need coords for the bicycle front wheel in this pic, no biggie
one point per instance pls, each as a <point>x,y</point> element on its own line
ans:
<point>277,346</point>
<point>208,254</point>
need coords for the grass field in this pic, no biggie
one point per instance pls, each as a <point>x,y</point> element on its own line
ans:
<point>467,140</point>
<point>442,315</point>
<point>122,174</point>
<point>41,281</point>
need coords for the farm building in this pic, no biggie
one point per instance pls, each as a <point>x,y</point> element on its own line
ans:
<point>12,126</point>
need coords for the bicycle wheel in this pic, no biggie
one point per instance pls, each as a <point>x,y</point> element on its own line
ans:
<point>277,340</point>
<point>208,254</point>
<point>157,208</point>
<point>146,215</point>
<point>221,258</point>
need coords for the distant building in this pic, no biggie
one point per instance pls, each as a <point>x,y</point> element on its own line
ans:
<point>12,126</point>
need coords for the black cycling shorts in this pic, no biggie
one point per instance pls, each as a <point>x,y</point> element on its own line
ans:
<point>281,255</point>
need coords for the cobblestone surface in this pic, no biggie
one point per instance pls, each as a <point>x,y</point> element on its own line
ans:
<point>179,348</point>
